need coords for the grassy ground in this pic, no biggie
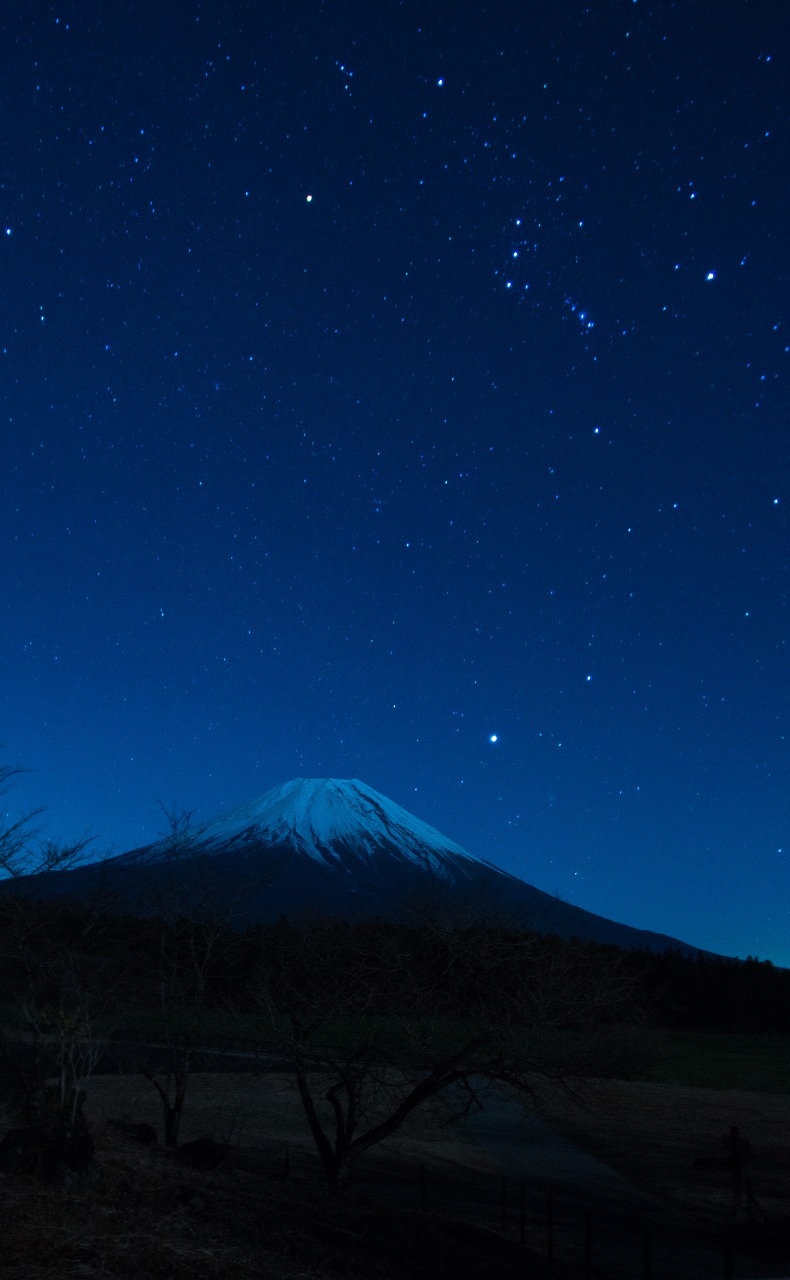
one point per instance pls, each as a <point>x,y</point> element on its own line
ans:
<point>654,1133</point>
<point>264,1113</point>
<point>757,1063</point>
<point>688,1090</point>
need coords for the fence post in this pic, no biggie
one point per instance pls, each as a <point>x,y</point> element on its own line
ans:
<point>422,1188</point>
<point>728,1261</point>
<point>503,1201</point>
<point>522,1214</point>
<point>587,1245</point>
<point>648,1256</point>
<point>736,1157</point>
<point>751,1205</point>
<point>550,1226</point>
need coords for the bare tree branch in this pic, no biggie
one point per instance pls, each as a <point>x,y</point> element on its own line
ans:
<point>380,1019</point>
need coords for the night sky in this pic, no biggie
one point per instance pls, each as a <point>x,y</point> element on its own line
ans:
<point>399,391</point>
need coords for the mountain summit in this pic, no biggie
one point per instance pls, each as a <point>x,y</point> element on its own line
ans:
<point>333,821</point>
<point>334,846</point>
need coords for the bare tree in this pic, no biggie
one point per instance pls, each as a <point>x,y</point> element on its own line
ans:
<point>194,939</point>
<point>22,851</point>
<point>67,1012</point>
<point>379,1020</point>
<point>55,999</point>
<point>15,839</point>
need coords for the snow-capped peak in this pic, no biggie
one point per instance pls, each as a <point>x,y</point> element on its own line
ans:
<point>316,815</point>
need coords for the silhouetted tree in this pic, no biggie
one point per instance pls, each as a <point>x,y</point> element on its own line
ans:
<point>22,851</point>
<point>56,995</point>
<point>192,940</point>
<point>379,1019</point>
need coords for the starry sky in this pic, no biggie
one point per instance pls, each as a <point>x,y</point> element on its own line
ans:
<point>399,391</point>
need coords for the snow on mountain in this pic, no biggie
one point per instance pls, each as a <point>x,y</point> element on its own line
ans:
<point>322,817</point>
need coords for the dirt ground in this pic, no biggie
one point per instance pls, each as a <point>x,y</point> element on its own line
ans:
<point>212,1226</point>
<point>264,1112</point>
<point>147,1214</point>
<point>651,1133</point>
<point>654,1133</point>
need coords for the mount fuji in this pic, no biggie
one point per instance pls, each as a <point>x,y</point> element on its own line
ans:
<point>337,847</point>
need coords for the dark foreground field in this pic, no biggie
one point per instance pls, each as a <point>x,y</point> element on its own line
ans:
<point>671,1140</point>
<point>148,1215</point>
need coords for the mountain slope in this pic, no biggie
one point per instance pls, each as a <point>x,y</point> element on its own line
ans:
<point>335,846</point>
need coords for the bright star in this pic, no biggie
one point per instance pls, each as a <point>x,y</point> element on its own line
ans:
<point>493,737</point>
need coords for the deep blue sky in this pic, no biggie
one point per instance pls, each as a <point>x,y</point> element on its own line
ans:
<point>378,378</point>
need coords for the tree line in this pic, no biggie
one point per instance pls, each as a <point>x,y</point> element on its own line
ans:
<point>711,993</point>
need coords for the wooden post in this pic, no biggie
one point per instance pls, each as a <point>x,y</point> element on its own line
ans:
<point>648,1256</point>
<point>550,1226</point>
<point>422,1188</point>
<point>728,1261</point>
<point>522,1214</point>
<point>735,1154</point>
<point>587,1245</point>
<point>749,1213</point>
<point>503,1201</point>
